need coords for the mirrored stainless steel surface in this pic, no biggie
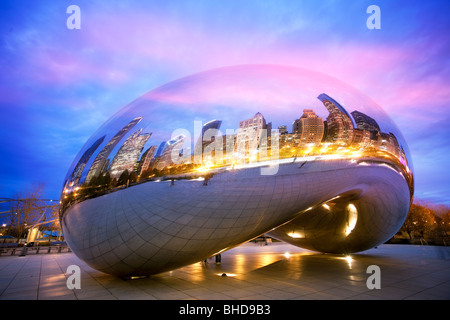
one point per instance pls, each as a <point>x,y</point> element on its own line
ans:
<point>212,160</point>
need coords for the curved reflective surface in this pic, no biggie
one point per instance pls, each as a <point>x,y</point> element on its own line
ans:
<point>212,160</point>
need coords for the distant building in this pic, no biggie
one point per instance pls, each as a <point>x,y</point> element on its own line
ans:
<point>361,137</point>
<point>249,134</point>
<point>289,140</point>
<point>77,171</point>
<point>160,150</point>
<point>282,129</point>
<point>339,123</point>
<point>325,131</point>
<point>98,166</point>
<point>210,130</point>
<point>128,154</point>
<point>309,127</point>
<point>364,122</point>
<point>228,145</point>
<point>389,142</point>
<point>269,129</point>
<point>170,152</point>
<point>146,159</point>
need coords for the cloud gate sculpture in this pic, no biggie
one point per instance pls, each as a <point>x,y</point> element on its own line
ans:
<point>215,159</point>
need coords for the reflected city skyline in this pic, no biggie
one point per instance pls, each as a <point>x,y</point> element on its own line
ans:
<point>123,160</point>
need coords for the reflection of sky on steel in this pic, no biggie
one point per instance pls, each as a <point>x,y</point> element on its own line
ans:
<point>249,88</point>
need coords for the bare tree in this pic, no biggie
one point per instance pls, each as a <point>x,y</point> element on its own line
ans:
<point>27,209</point>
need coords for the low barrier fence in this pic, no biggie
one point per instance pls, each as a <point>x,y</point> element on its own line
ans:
<point>23,251</point>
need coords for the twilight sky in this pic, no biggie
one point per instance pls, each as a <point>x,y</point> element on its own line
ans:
<point>58,86</point>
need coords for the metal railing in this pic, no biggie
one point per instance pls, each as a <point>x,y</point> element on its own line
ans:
<point>23,251</point>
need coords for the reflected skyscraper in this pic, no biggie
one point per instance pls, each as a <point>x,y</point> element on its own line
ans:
<point>361,137</point>
<point>98,166</point>
<point>160,149</point>
<point>76,174</point>
<point>249,135</point>
<point>146,159</point>
<point>389,142</point>
<point>310,127</point>
<point>210,131</point>
<point>171,152</point>
<point>282,129</point>
<point>339,123</point>
<point>127,156</point>
<point>364,122</point>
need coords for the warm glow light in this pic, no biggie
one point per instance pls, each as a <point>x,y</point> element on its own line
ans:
<point>334,198</point>
<point>287,255</point>
<point>351,219</point>
<point>240,260</point>
<point>296,235</point>
<point>224,274</point>
<point>349,261</point>
<point>267,259</point>
<point>219,252</point>
<point>203,169</point>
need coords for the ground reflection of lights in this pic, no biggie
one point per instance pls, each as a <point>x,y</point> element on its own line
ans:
<point>267,259</point>
<point>226,274</point>
<point>240,263</point>
<point>348,259</point>
<point>245,263</point>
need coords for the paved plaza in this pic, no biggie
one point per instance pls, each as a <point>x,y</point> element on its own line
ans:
<point>254,271</point>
